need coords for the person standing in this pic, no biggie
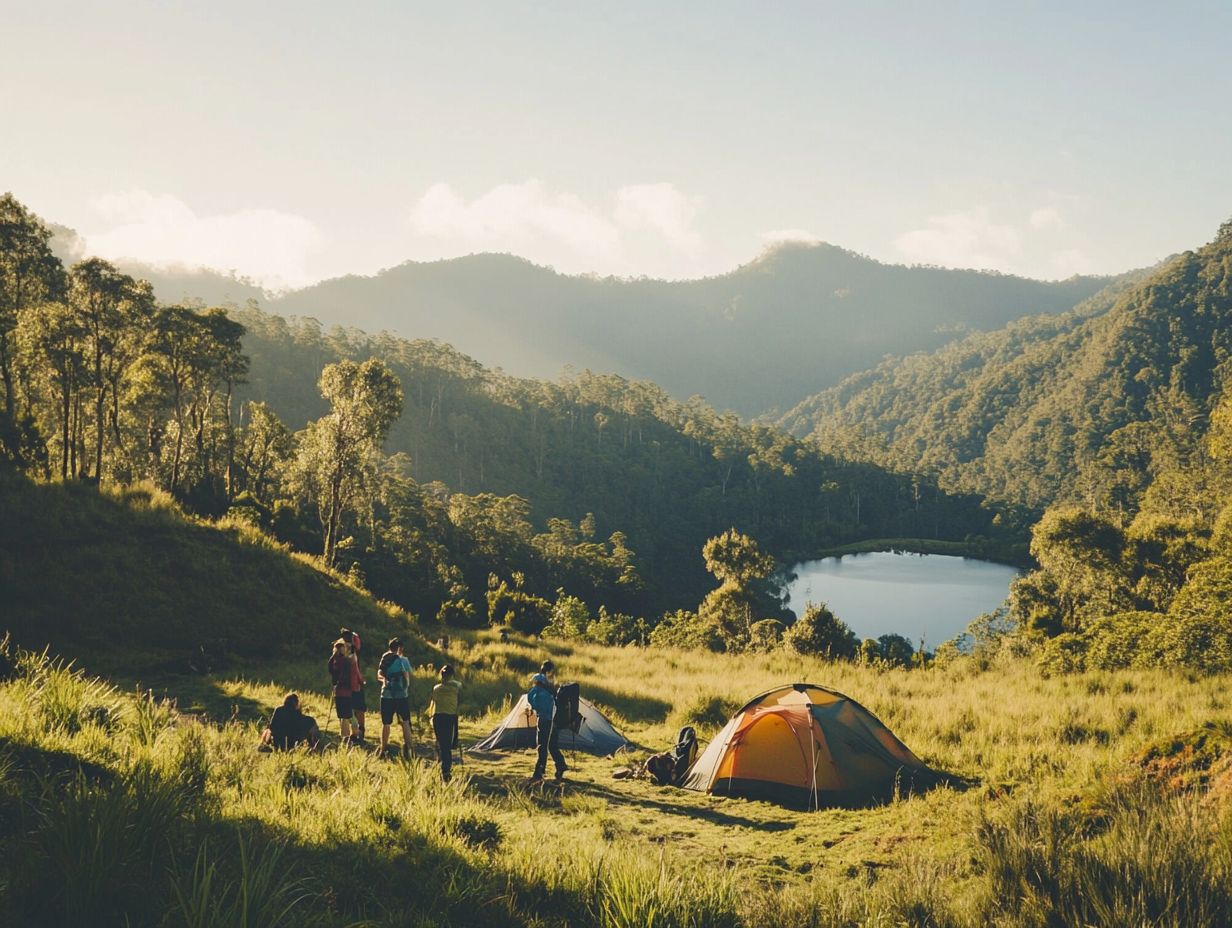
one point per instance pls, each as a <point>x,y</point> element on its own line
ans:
<point>542,699</point>
<point>340,673</point>
<point>358,704</point>
<point>443,710</point>
<point>394,672</point>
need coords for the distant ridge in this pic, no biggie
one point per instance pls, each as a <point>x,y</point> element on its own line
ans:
<point>797,319</point>
<point>1080,407</point>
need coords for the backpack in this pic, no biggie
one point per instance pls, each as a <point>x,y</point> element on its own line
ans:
<point>338,671</point>
<point>684,753</point>
<point>386,659</point>
<point>568,710</point>
<point>660,768</point>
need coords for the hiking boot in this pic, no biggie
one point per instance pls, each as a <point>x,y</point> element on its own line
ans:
<point>560,776</point>
<point>536,780</point>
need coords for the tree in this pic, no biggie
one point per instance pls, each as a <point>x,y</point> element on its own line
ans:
<point>336,451</point>
<point>820,631</point>
<point>737,558</point>
<point>50,336</point>
<point>29,275</point>
<point>113,311</point>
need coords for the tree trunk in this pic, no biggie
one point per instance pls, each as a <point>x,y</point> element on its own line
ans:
<point>6,372</point>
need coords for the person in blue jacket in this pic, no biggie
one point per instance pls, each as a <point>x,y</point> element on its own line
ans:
<point>542,699</point>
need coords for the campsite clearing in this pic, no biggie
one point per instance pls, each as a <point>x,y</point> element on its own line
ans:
<point>1010,733</point>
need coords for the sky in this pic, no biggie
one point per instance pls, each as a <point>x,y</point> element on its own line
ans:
<point>294,141</point>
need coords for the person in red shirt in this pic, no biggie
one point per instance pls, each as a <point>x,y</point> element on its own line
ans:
<point>342,672</point>
<point>358,705</point>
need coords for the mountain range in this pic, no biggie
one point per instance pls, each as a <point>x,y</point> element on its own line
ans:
<point>756,340</point>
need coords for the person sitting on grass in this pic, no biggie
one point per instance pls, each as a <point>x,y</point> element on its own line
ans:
<point>443,710</point>
<point>394,672</point>
<point>289,727</point>
<point>340,665</point>
<point>542,699</point>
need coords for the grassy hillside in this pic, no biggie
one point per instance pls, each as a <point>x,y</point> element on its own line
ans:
<point>1095,799</point>
<point>1085,406</point>
<point>795,320</point>
<point>123,578</point>
<point>1079,807</point>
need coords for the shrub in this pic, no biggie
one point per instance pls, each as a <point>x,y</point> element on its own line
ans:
<point>686,630</point>
<point>569,617</point>
<point>766,635</point>
<point>1066,653</point>
<point>523,612</point>
<point>820,631</point>
<point>1121,640</point>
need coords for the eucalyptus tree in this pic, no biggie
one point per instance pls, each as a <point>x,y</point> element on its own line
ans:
<point>29,275</point>
<point>337,452</point>
<point>114,312</point>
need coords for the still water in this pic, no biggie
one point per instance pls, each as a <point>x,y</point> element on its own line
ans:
<point>929,596</point>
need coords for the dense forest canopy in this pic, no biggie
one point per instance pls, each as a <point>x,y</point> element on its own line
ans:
<point>455,491</point>
<point>1084,407</point>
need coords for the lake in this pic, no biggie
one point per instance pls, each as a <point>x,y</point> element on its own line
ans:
<point>934,596</point>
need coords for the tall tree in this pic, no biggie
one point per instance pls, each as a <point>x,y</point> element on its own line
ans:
<point>29,274</point>
<point>113,311</point>
<point>336,451</point>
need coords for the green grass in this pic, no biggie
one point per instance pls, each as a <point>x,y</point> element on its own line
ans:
<point>111,801</point>
<point>121,578</point>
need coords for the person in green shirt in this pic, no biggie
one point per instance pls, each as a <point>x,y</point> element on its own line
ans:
<point>443,709</point>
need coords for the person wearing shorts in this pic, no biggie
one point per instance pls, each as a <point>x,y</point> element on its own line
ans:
<point>394,672</point>
<point>359,705</point>
<point>340,673</point>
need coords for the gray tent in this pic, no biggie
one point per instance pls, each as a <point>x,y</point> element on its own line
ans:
<point>517,730</point>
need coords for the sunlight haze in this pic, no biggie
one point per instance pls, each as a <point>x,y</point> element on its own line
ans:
<point>291,142</point>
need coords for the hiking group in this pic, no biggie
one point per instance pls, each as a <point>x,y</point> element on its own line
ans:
<point>554,707</point>
<point>290,727</point>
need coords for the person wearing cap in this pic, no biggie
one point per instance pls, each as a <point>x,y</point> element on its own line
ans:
<point>443,710</point>
<point>394,672</point>
<point>542,699</point>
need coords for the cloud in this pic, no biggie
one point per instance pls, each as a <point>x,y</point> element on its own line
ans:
<point>625,235</point>
<point>1046,217</point>
<point>966,238</point>
<point>267,245</point>
<point>661,208</point>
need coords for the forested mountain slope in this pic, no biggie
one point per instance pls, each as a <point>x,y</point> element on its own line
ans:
<point>666,475</point>
<point>1086,406</point>
<point>795,320</point>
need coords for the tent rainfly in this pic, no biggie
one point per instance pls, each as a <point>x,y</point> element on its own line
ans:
<point>806,746</point>
<point>517,730</point>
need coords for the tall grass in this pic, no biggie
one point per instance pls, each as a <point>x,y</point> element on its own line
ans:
<point>114,805</point>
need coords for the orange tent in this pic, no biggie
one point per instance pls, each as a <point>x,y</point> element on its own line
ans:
<point>804,745</point>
